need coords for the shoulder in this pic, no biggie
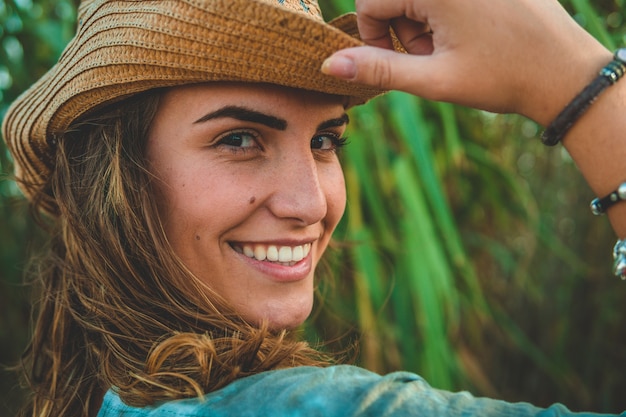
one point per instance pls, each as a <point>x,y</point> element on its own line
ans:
<point>302,388</point>
<point>329,392</point>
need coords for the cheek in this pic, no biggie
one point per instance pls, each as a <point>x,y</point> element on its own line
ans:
<point>335,190</point>
<point>208,206</point>
<point>194,204</point>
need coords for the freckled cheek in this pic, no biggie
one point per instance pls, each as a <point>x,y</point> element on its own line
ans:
<point>183,207</point>
<point>213,205</point>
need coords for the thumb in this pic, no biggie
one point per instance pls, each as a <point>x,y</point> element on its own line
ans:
<point>379,68</point>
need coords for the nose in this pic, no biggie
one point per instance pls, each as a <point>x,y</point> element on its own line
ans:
<point>298,191</point>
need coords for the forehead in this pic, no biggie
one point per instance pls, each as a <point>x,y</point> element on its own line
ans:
<point>193,101</point>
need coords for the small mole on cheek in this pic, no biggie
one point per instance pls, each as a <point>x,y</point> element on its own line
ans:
<point>252,200</point>
<point>197,237</point>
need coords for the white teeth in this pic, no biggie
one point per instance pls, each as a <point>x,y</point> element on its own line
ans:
<point>272,253</point>
<point>283,254</point>
<point>260,253</point>
<point>297,254</point>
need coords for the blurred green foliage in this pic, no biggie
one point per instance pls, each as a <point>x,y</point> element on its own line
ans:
<point>467,253</point>
<point>472,256</point>
<point>32,36</point>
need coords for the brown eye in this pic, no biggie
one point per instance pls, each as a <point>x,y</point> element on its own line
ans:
<point>239,140</point>
<point>328,142</point>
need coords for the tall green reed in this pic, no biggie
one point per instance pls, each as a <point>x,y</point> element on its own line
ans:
<point>468,255</point>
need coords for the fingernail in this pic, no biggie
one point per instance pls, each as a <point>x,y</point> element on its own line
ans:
<point>340,67</point>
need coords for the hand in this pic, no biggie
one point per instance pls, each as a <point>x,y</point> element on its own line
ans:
<point>521,56</point>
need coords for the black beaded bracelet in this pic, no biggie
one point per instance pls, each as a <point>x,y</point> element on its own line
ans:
<point>601,205</point>
<point>609,75</point>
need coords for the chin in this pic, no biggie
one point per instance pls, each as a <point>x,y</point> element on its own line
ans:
<point>285,317</point>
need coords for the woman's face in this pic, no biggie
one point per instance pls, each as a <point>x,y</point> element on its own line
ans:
<point>250,190</point>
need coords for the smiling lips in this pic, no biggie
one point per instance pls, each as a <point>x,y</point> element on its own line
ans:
<point>285,255</point>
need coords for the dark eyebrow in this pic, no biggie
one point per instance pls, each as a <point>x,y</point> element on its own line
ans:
<point>245,115</point>
<point>340,121</point>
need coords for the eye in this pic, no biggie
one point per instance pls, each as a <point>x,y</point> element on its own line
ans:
<point>239,140</point>
<point>328,142</point>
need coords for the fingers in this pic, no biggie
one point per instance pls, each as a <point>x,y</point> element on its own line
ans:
<point>433,76</point>
<point>381,68</point>
<point>415,37</point>
<point>379,65</point>
<point>374,18</point>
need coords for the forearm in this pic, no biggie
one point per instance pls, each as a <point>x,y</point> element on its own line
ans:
<point>597,143</point>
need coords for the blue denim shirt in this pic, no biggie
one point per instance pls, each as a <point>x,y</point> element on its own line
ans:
<point>337,391</point>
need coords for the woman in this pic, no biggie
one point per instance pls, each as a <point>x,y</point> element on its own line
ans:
<point>185,152</point>
<point>198,269</point>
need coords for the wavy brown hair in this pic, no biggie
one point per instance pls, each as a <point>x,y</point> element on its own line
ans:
<point>117,307</point>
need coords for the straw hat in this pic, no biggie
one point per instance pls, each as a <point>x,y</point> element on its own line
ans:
<point>125,47</point>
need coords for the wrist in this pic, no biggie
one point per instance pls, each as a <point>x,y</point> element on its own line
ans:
<point>576,108</point>
<point>560,80</point>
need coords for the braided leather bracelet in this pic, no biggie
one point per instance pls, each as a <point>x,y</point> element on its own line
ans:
<point>607,76</point>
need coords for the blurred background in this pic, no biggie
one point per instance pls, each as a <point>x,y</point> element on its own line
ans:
<point>467,254</point>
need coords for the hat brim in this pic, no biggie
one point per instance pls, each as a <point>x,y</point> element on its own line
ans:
<point>123,48</point>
